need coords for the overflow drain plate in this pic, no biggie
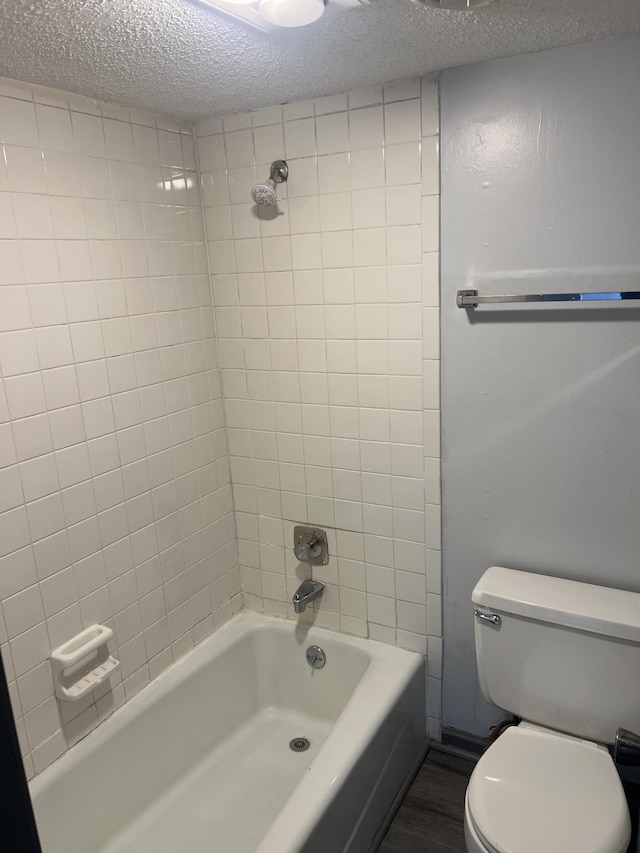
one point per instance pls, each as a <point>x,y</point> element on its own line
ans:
<point>299,744</point>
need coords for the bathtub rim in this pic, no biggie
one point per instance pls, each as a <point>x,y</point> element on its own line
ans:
<point>388,673</point>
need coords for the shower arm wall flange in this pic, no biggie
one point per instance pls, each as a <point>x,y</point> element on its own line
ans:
<point>279,171</point>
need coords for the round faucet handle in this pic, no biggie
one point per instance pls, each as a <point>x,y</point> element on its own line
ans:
<point>307,548</point>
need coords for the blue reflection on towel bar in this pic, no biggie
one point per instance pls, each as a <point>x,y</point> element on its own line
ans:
<point>471,298</point>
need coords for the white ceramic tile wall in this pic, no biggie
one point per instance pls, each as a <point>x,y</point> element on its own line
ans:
<point>327,322</point>
<point>115,502</point>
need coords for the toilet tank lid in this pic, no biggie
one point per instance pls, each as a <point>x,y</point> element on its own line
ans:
<point>583,606</point>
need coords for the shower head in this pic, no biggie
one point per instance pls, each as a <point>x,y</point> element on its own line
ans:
<point>265,194</point>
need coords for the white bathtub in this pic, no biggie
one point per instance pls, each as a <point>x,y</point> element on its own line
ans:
<point>200,760</point>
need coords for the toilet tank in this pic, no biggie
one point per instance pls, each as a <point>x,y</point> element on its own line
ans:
<point>561,654</point>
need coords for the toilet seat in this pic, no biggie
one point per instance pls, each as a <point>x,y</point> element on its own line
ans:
<point>537,790</point>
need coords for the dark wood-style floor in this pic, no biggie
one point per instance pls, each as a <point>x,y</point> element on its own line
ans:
<point>431,818</point>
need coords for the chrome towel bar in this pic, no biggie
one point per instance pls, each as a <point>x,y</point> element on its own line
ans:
<point>471,298</point>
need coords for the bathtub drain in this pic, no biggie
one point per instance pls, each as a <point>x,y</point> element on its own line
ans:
<point>299,744</point>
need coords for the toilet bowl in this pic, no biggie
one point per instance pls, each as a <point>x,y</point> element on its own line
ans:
<point>564,657</point>
<point>537,790</point>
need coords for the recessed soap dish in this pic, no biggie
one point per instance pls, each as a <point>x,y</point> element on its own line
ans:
<point>83,663</point>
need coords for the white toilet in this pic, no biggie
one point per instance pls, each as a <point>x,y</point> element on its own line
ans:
<point>565,657</point>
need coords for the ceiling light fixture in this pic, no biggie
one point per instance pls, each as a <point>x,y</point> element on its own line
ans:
<point>291,13</point>
<point>271,15</point>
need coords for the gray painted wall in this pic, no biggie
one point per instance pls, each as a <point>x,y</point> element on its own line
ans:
<point>540,408</point>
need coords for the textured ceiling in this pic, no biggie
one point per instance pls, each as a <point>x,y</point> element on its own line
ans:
<point>182,59</point>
